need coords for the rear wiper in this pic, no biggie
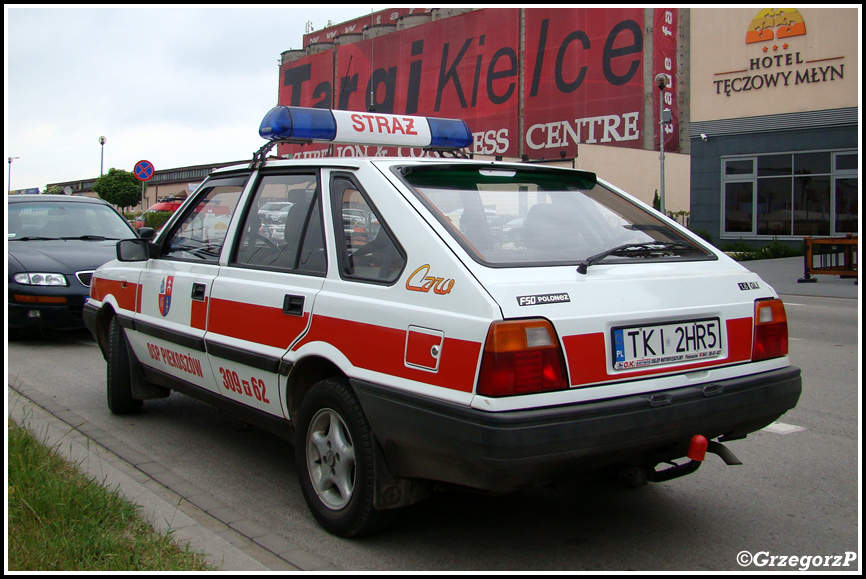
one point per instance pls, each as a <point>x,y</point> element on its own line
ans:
<point>648,249</point>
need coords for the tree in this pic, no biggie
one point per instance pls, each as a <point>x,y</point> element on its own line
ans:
<point>119,188</point>
<point>53,190</point>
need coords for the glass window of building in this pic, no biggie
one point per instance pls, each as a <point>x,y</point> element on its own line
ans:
<point>790,195</point>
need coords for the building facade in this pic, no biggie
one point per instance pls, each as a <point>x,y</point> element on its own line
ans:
<point>774,123</point>
<point>547,85</point>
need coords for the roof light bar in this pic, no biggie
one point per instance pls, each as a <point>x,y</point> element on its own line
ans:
<point>355,127</point>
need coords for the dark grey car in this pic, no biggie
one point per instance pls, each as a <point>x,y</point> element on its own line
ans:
<point>55,242</point>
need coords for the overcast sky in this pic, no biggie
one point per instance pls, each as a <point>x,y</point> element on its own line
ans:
<point>174,86</point>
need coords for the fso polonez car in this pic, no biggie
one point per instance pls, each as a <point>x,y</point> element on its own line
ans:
<point>426,322</point>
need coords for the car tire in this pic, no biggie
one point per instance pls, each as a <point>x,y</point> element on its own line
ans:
<point>118,374</point>
<point>334,456</point>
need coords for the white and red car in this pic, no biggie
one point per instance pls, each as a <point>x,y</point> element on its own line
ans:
<point>401,339</point>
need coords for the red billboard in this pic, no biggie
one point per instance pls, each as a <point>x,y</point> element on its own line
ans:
<point>584,79</point>
<point>308,82</point>
<point>582,73</point>
<point>665,62</point>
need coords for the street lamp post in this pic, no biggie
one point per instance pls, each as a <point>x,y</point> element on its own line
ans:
<point>9,189</point>
<point>101,153</point>
<point>661,81</point>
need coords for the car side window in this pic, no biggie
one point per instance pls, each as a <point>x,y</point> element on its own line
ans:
<point>368,251</point>
<point>283,227</point>
<point>201,233</point>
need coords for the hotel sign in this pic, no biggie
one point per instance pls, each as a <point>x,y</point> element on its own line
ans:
<point>777,63</point>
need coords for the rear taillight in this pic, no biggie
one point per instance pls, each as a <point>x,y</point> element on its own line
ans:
<point>771,330</point>
<point>521,357</point>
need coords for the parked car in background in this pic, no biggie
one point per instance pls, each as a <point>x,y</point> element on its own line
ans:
<point>55,242</point>
<point>274,207</point>
<point>279,216</point>
<point>163,208</point>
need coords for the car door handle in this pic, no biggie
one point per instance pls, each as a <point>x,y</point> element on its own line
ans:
<point>198,291</point>
<point>293,305</point>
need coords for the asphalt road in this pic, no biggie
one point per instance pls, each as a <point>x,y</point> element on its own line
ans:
<point>796,495</point>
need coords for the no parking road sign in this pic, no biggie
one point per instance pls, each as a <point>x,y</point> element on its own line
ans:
<point>143,170</point>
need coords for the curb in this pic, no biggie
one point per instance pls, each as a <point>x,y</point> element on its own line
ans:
<point>227,541</point>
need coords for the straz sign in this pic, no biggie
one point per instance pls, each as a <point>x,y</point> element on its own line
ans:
<point>583,71</point>
<point>682,342</point>
<point>375,129</point>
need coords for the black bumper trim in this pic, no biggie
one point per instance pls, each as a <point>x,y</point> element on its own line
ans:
<point>241,356</point>
<point>180,338</point>
<point>425,438</point>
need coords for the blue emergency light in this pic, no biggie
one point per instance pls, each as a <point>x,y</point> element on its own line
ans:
<point>364,128</point>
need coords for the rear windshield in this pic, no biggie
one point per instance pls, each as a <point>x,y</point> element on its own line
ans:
<point>541,216</point>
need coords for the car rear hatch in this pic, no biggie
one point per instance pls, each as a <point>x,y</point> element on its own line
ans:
<point>629,321</point>
<point>619,293</point>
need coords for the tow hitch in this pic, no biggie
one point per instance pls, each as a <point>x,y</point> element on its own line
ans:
<point>634,477</point>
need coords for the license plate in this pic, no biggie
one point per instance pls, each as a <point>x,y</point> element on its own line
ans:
<point>638,347</point>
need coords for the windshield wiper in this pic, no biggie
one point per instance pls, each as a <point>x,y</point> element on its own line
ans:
<point>648,249</point>
<point>32,238</point>
<point>88,237</point>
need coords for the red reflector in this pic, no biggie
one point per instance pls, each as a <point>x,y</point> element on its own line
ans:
<point>698,448</point>
<point>771,330</point>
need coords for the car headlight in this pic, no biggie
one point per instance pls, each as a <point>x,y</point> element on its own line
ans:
<point>52,279</point>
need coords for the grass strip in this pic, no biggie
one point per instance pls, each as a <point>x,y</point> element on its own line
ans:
<point>60,520</point>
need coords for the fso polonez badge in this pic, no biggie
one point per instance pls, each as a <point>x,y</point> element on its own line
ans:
<point>542,299</point>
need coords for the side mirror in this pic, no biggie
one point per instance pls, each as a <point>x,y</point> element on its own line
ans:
<point>146,233</point>
<point>133,250</point>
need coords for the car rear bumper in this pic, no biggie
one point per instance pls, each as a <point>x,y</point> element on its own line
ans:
<point>423,438</point>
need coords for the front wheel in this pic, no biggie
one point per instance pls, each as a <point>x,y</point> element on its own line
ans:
<point>334,456</point>
<point>118,374</point>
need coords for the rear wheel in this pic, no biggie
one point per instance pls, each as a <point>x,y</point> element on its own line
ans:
<point>118,374</point>
<point>334,456</point>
